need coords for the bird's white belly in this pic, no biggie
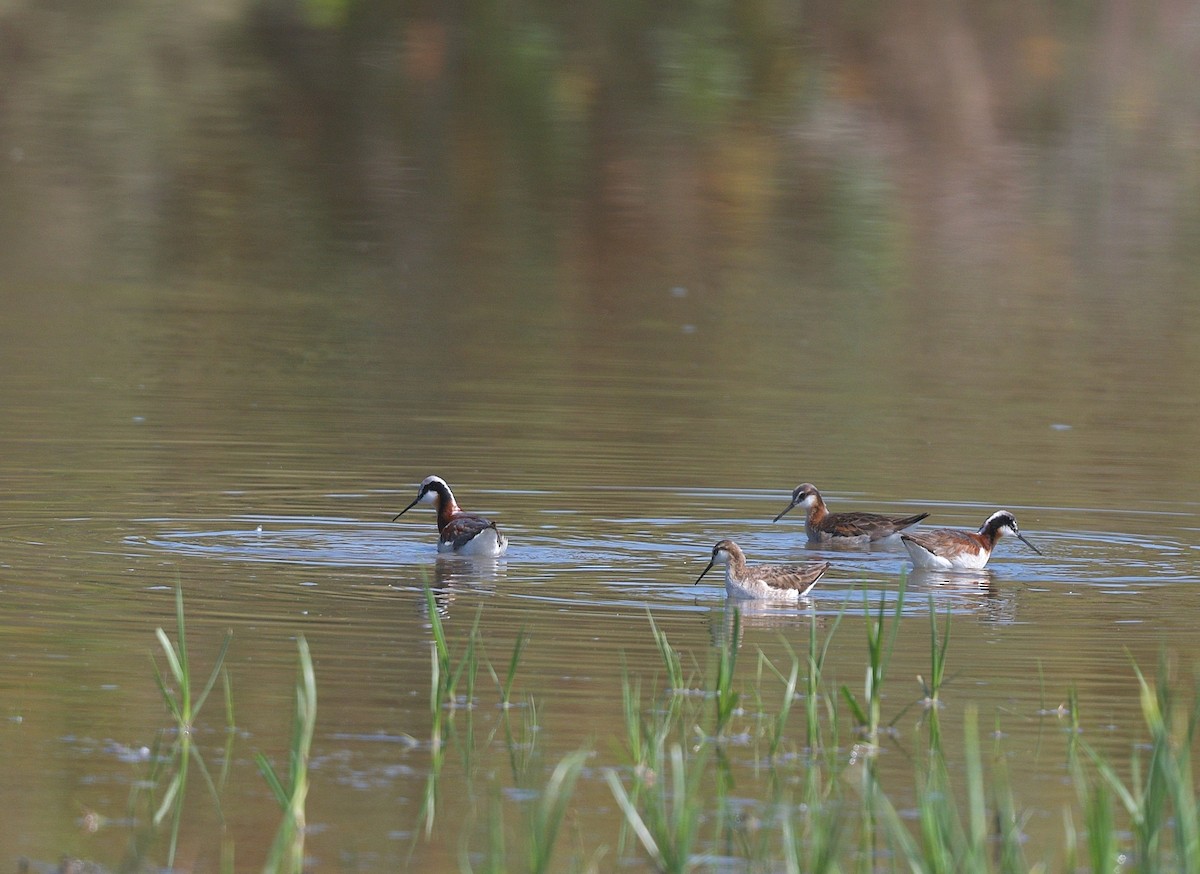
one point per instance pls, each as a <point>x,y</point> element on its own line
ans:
<point>488,542</point>
<point>757,590</point>
<point>965,560</point>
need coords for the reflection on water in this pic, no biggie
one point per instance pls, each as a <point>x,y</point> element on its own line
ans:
<point>978,593</point>
<point>454,573</point>
<point>449,571</point>
<point>931,580</point>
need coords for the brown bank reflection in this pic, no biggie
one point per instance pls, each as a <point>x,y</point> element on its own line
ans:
<point>597,143</point>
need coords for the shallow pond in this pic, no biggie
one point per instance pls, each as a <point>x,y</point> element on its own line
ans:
<point>232,388</point>
<point>275,528</point>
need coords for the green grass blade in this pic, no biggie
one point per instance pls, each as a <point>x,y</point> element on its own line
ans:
<point>438,632</point>
<point>631,705</point>
<point>168,696</point>
<point>670,657</point>
<point>785,708</point>
<point>977,807</point>
<point>181,630</point>
<point>287,850</point>
<point>208,781</point>
<point>514,660</point>
<point>860,717</point>
<point>551,809</point>
<point>633,818</point>
<point>273,782</point>
<point>216,672</point>
<point>1110,776</point>
<point>227,684</point>
<point>169,797</point>
<point>174,662</point>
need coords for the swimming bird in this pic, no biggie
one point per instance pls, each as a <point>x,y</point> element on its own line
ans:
<point>458,532</point>
<point>772,581</point>
<point>952,548</point>
<point>843,528</point>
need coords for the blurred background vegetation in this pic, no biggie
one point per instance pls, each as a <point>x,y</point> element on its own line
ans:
<point>873,140</point>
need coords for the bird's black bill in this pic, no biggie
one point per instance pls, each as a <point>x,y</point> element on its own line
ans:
<point>786,510</point>
<point>406,509</point>
<point>702,573</point>
<point>1027,543</point>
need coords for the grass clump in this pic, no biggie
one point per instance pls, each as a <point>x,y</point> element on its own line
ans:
<point>799,789</point>
<point>547,815</point>
<point>291,790</point>
<point>666,821</point>
<point>881,641</point>
<point>984,838</point>
<point>827,810</point>
<point>181,701</point>
<point>184,703</point>
<point>671,659</point>
<point>778,724</point>
<point>1159,796</point>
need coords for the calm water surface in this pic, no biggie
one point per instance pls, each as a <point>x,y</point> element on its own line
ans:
<point>268,497</point>
<point>233,386</point>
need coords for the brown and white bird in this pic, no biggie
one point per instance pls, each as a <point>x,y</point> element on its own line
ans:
<point>843,528</point>
<point>458,532</point>
<point>954,549</point>
<point>762,581</point>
